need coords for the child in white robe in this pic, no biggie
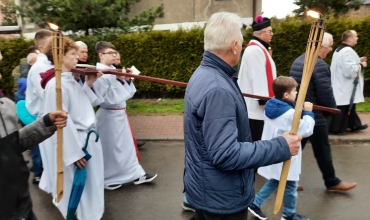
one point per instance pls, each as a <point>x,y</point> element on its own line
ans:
<point>78,102</point>
<point>279,113</point>
<point>121,164</point>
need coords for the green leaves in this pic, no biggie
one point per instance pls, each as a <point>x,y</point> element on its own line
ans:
<point>88,16</point>
<point>327,7</point>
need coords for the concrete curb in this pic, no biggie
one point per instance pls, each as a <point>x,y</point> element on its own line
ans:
<point>181,138</point>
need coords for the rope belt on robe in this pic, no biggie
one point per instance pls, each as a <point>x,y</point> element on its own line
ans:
<point>132,133</point>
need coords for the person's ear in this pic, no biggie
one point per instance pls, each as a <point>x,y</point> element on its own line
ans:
<point>234,47</point>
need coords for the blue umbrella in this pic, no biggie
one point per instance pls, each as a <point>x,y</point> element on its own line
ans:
<point>79,180</point>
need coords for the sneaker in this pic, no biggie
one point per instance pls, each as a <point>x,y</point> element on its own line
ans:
<point>113,186</point>
<point>256,212</point>
<point>187,207</point>
<point>36,180</point>
<point>145,179</point>
<point>293,217</point>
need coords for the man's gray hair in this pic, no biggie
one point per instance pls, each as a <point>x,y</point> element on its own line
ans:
<point>222,29</point>
<point>81,45</point>
<point>326,39</point>
<point>31,56</point>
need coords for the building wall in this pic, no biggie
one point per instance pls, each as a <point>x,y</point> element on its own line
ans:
<point>178,11</point>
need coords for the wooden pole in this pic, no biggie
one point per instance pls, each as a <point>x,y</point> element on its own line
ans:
<point>183,84</point>
<point>58,52</point>
<point>312,50</point>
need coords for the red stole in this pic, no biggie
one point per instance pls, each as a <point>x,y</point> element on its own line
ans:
<point>270,78</point>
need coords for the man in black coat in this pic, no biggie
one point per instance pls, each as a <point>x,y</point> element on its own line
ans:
<point>320,92</point>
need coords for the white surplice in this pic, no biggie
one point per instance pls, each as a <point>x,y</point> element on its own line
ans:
<point>34,105</point>
<point>344,68</point>
<point>77,101</point>
<point>276,127</point>
<point>120,160</point>
<point>252,77</point>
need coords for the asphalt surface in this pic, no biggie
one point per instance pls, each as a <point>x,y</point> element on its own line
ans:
<point>162,199</point>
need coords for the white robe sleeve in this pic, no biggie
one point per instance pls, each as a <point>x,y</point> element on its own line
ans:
<point>350,66</point>
<point>72,151</point>
<point>131,89</point>
<point>34,90</point>
<point>111,90</point>
<point>306,124</point>
<point>94,97</point>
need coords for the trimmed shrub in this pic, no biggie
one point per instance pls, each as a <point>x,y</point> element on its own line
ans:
<point>175,55</point>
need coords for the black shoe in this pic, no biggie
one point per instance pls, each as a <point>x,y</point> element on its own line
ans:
<point>360,128</point>
<point>145,179</point>
<point>187,207</point>
<point>140,144</point>
<point>256,212</point>
<point>293,217</point>
<point>36,180</point>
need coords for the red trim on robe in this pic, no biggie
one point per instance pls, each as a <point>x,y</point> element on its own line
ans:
<point>270,78</point>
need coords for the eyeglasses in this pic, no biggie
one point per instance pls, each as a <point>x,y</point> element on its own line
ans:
<point>269,31</point>
<point>111,53</point>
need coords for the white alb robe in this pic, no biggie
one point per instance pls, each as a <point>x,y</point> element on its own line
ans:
<point>344,68</point>
<point>77,101</point>
<point>120,161</point>
<point>276,127</point>
<point>34,105</point>
<point>253,79</point>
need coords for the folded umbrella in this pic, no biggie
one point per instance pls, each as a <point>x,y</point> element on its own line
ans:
<point>79,180</point>
<point>355,83</point>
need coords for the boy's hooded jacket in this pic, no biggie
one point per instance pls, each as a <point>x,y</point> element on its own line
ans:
<point>278,119</point>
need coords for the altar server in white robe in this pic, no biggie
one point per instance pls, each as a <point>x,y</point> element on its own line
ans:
<point>121,164</point>
<point>257,72</point>
<point>78,102</point>
<point>346,65</point>
<point>279,113</point>
<point>35,96</point>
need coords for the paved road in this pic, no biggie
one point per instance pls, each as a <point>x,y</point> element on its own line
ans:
<point>162,199</point>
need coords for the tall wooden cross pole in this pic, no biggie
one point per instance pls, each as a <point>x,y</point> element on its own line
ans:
<point>312,50</point>
<point>58,53</point>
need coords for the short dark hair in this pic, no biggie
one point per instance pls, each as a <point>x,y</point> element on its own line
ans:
<point>41,35</point>
<point>103,45</point>
<point>283,84</point>
<point>347,34</point>
<point>33,49</point>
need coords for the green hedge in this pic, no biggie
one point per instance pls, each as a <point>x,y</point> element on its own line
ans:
<point>175,55</point>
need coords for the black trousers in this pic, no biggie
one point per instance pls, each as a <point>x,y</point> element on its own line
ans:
<point>256,129</point>
<point>339,123</point>
<point>322,151</point>
<point>203,215</point>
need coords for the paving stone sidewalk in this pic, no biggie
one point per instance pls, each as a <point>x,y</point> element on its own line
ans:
<point>171,127</point>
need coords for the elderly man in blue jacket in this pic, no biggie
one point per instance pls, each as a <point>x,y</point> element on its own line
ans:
<point>320,92</point>
<point>220,156</point>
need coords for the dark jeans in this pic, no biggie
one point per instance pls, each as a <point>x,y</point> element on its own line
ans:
<point>321,149</point>
<point>256,129</point>
<point>203,215</point>
<point>36,161</point>
<point>31,216</point>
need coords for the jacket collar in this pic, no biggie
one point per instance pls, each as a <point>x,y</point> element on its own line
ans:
<point>266,45</point>
<point>343,45</point>
<point>43,58</point>
<point>212,60</point>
